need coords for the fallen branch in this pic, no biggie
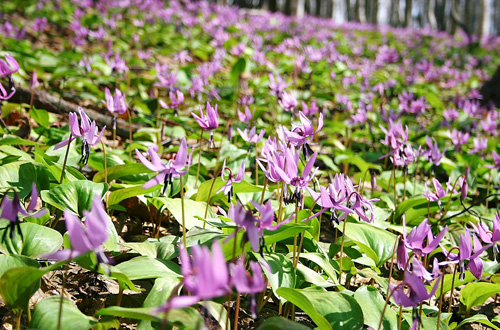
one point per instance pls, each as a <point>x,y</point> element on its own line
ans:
<point>52,103</point>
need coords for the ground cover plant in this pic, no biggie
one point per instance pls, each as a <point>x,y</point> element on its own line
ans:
<point>189,166</point>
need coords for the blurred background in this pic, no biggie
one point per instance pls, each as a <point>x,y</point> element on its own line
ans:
<point>475,17</point>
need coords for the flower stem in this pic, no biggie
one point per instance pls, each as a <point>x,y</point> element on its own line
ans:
<point>105,163</point>
<point>342,251</point>
<point>266,181</point>
<point>129,135</point>
<point>65,158</point>
<point>395,190</point>
<point>199,160</point>
<point>295,256</point>
<point>256,167</point>
<point>210,196</point>
<point>452,287</point>
<point>18,320</point>
<point>488,190</point>
<point>183,216</point>
<point>237,311</point>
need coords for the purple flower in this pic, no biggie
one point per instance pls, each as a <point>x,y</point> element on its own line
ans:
<point>432,153</point>
<point>245,283</point>
<point>435,196</point>
<point>303,133</point>
<point>290,174</point>
<point>86,130</point>
<point>245,220</point>
<point>86,237</point>
<point>416,293</point>
<point>288,102</point>
<point>251,137</point>
<point>246,116</point>
<point>9,66</point>
<point>311,110</point>
<point>480,144</point>
<point>415,240</point>
<point>174,168</point>
<point>116,104</point>
<point>277,85</point>
<point>10,209</point>
<point>458,138</point>
<point>208,122</point>
<point>496,160</point>
<point>228,186</point>
<point>34,80</point>
<point>206,276</point>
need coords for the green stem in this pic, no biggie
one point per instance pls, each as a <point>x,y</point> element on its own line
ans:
<point>65,158</point>
<point>199,160</point>
<point>183,216</point>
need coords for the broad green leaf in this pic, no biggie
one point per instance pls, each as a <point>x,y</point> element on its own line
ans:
<point>144,248</point>
<point>17,285</point>
<point>40,116</point>
<point>299,299</point>
<point>138,313</point>
<point>11,140</point>
<point>144,267</point>
<point>161,291</point>
<point>121,194</point>
<point>114,273</point>
<point>478,318</point>
<point>322,261</point>
<point>239,187</point>
<point>20,175</point>
<point>192,210</point>
<point>376,243</point>
<point>372,304</point>
<point>238,69</point>
<point>475,294</point>
<point>15,261</point>
<point>128,172</point>
<point>279,323</point>
<point>448,280</point>
<point>37,240</point>
<point>279,272</point>
<point>46,315</point>
<point>75,196</point>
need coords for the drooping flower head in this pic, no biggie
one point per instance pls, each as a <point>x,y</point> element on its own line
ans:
<point>11,208</point>
<point>86,130</point>
<point>86,237</point>
<point>228,186</point>
<point>208,122</point>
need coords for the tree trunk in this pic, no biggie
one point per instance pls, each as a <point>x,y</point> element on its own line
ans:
<point>360,11</point>
<point>272,5</point>
<point>431,13</point>
<point>408,16</point>
<point>486,18</point>
<point>300,8</point>
<point>348,10</point>
<point>440,10</point>
<point>394,17</point>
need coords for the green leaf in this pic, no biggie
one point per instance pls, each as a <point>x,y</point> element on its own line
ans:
<point>161,291</point>
<point>15,261</point>
<point>322,261</point>
<point>339,310</point>
<point>37,240</point>
<point>478,318</point>
<point>279,323</point>
<point>75,196</point>
<point>376,243</point>
<point>46,315</point>
<point>237,70</point>
<point>144,267</point>
<point>475,294</point>
<point>13,140</point>
<point>239,187</point>
<point>138,313</point>
<point>448,280</point>
<point>40,116</point>
<point>130,172</point>
<point>121,194</point>
<point>17,285</point>
<point>20,175</point>
<point>278,270</point>
<point>297,298</point>
<point>372,304</point>
<point>192,210</point>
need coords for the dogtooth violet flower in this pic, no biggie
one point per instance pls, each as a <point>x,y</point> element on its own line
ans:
<point>174,168</point>
<point>7,68</point>
<point>487,236</point>
<point>116,104</point>
<point>86,130</point>
<point>11,208</point>
<point>176,99</point>
<point>301,134</point>
<point>288,102</point>
<point>251,137</point>
<point>291,176</point>
<point>246,283</point>
<point>208,122</point>
<point>228,186</point>
<point>206,276</point>
<point>436,196</point>
<point>88,236</point>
